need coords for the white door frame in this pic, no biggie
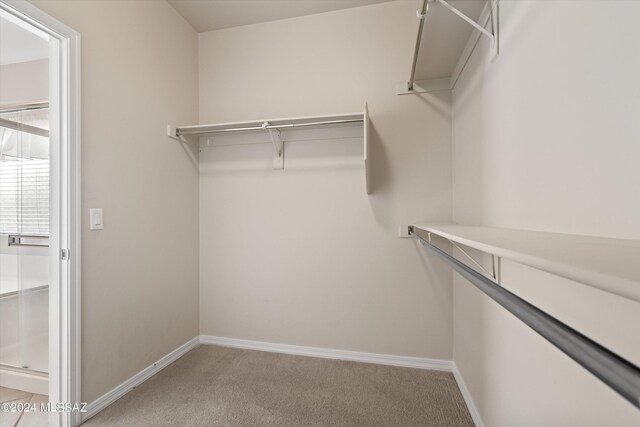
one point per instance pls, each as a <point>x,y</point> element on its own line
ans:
<point>65,216</point>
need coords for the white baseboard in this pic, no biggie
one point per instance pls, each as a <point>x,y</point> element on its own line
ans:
<point>327,353</point>
<point>473,410</point>
<point>108,398</point>
<point>25,381</point>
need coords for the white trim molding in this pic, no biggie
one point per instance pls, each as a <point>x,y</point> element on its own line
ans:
<point>111,396</point>
<point>326,353</point>
<point>473,410</point>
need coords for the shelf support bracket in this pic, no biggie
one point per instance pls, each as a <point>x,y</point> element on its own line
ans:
<point>496,263</point>
<point>492,275</point>
<point>469,20</point>
<point>278,145</point>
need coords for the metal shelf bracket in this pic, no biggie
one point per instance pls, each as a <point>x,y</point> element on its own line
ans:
<point>477,26</point>
<point>278,145</point>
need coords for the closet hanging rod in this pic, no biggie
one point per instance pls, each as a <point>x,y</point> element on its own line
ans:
<point>204,130</point>
<point>618,373</point>
<point>421,15</point>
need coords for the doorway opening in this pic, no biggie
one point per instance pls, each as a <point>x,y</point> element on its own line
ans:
<point>39,212</point>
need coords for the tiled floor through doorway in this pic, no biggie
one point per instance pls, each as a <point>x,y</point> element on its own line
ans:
<point>22,419</point>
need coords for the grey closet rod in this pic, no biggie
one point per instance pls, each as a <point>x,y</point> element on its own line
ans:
<point>618,373</point>
<point>421,16</point>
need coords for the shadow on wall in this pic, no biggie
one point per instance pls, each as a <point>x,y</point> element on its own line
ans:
<point>300,157</point>
<point>477,163</point>
<point>470,159</point>
<point>437,272</point>
<point>191,149</point>
<point>435,102</point>
<point>380,176</point>
<point>380,168</point>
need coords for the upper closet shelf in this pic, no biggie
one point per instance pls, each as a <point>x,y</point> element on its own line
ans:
<point>448,31</point>
<point>274,128</point>
<point>612,265</point>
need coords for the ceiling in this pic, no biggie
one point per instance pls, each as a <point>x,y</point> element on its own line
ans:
<point>17,44</point>
<point>209,15</point>
<point>444,37</point>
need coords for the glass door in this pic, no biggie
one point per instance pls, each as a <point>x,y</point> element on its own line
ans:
<point>24,235</point>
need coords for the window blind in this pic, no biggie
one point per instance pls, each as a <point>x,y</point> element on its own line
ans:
<point>24,196</point>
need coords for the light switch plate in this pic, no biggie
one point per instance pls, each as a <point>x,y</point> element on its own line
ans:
<point>96,219</point>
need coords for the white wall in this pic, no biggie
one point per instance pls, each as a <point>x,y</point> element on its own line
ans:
<point>304,256</point>
<point>546,137</point>
<point>139,274</point>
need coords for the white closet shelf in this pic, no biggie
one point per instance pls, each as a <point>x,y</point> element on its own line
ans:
<point>274,126</point>
<point>612,265</point>
<point>443,26</point>
<point>259,125</point>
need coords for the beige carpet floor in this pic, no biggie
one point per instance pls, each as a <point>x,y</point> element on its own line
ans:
<point>217,386</point>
